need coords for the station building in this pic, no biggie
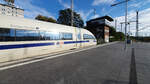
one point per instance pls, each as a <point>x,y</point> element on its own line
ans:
<point>11,10</point>
<point>100,27</point>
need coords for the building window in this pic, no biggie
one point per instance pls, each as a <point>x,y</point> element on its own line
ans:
<point>3,13</point>
<point>3,9</point>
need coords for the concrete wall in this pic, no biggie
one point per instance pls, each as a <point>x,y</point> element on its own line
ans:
<point>106,33</point>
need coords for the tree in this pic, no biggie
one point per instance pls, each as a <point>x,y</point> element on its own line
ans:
<point>112,31</point>
<point>65,18</point>
<point>10,2</point>
<point>119,36</point>
<point>116,36</point>
<point>44,18</point>
<point>51,20</point>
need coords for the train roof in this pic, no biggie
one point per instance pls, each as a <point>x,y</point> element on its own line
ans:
<point>24,23</point>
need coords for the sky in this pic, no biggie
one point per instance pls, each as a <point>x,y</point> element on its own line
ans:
<point>86,8</point>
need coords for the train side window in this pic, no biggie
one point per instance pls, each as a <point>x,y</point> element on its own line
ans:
<point>30,35</point>
<point>42,35</point>
<point>33,35</point>
<point>52,36</point>
<point>20,35</point>
<point>87,36</point>
<point>26,35</point>
<point>66,36</point>
<point>48,35</point>
<point>56,36</point>
<point>7,34</point>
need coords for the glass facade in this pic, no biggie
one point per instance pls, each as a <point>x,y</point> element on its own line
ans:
<point>32,35</point>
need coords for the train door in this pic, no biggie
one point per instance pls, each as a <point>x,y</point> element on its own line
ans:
<point>78,38</point>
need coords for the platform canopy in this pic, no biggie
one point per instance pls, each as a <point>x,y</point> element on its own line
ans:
<point>100,18</point>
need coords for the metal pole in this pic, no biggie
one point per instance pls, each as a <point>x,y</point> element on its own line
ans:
<point>72,15</point>
<point>129,29</point>
<point>94,11</point>
<point>129,33</point>
<point>72,19</point>
<point>116,25</point>
<point>121,27</point>
<point>126,13</point>
<point>137,23</point>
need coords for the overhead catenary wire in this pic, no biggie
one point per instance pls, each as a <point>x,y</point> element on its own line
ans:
<point>126,14</point>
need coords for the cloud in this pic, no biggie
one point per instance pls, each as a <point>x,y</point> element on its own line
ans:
<point>84,14</point>
<point>65,5</point>
<point>120,19</point>
<point>136,4</point>
<point>95,16</point>
<point>143,20</point>
<point>31,11</point>
<point>97,2</point>
<point>139,4</point>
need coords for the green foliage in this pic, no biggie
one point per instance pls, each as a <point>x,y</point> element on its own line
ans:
<point>141,39</point>
<point>44,18</point>
<point>100,41</point>
<point>51,20</point>
<point>85,27</point>
<point>65,18</point>
<point>10,1</point>
<point>116,36</point>
<point>119,36</point>
<point>112,31</point>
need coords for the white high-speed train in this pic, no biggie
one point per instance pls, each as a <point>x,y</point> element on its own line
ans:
<point>21,38</point>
